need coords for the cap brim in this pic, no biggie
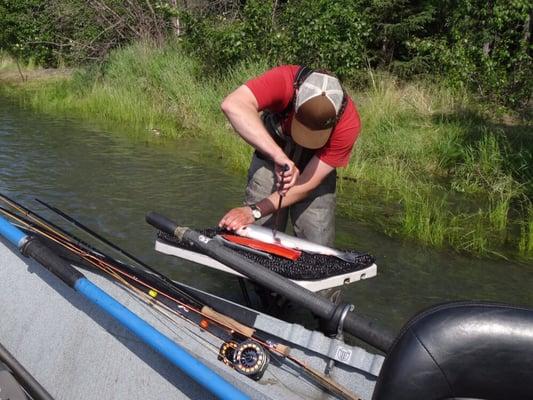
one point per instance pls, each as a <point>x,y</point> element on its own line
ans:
<point>309,138</point>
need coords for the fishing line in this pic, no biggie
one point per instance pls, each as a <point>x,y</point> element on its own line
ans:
<point>278,210</point>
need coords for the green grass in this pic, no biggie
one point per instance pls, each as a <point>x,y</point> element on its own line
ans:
<point>525,244</point>
<point>430,165</point>
<point>5,61</point>
<point>446,173</point>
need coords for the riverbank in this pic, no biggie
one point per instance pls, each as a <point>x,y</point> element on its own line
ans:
<point>429,165</point>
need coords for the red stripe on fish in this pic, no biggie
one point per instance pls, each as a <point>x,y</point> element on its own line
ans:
<point>275,249</point>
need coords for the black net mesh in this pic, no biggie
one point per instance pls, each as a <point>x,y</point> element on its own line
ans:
<point>307,267</point>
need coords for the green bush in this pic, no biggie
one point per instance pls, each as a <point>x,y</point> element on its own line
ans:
<point>26,30</point>
<point>299,32</point>
<point>484,46</point>
<point>326,34</point>
<point>53,33</point>
<point>222,41</point>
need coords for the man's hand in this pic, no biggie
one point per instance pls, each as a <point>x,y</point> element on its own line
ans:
<point>286,175</point>
<point>237,218</point>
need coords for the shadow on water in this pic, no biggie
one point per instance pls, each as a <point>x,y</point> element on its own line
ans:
<point>109,179</point>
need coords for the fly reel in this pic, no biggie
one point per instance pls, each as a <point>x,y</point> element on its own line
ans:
<point>248,357</point>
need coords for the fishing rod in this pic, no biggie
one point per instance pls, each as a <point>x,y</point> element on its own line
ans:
<point>37,218</point>
<point>152,297</point>
<point>231,350</point>
<point>353,323</point>
<point>148,272</point>
<point>112,267</point>
<point>155,283</point>
<point>91,232</point>
<point>32,247</point>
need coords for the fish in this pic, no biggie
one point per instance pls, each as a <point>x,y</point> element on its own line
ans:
<point>261,247</point>
<point>263,234</point>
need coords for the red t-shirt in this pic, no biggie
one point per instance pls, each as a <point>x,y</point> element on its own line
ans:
<point>274,90</point>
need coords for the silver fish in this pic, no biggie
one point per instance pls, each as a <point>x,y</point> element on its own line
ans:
<point>265,235</point>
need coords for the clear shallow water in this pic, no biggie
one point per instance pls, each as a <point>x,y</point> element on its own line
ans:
<point>109,178</point>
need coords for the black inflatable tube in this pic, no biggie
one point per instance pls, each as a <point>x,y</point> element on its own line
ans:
<point>355,324</point>
<point>23,377</point>
<point>62,269</point>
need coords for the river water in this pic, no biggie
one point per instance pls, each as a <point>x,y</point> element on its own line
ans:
<point>110,177</point>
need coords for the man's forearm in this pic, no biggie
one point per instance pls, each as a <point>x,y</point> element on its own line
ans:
<point>246,121</point>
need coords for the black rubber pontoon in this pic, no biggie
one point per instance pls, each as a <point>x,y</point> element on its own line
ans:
<point>461,350</point>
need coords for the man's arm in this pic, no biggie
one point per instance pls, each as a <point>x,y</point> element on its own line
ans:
<point>241,109</point>
<point>315,172</point>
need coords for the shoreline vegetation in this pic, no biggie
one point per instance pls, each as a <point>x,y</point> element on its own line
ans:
<point>431,164</point>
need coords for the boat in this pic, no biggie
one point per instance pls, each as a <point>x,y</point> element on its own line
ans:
<point>75,348</point>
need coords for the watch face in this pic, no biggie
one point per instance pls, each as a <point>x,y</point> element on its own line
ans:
<point>256,213</point>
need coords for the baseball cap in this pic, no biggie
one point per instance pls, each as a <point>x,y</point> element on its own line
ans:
<point>317,106</point>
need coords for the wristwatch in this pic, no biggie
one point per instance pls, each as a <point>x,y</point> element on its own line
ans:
<point>256,212</point>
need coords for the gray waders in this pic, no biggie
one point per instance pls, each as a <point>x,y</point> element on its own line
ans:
<point>313,218</point>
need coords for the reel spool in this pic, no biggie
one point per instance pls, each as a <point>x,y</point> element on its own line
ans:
<point>248,358</point>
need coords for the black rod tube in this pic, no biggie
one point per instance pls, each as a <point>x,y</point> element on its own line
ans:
<point>26,380</point>
<point>355,324</point>
<point>35,249</point>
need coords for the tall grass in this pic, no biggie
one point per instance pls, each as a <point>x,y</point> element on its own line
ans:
<point>525,244</point>
<point>448,170</point>
<point>5,60</point>
<point>428,165</point>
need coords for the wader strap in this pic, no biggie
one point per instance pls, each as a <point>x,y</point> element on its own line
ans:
<point>300,156</point>
<point>297,153</point>
<point>272,123</point>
